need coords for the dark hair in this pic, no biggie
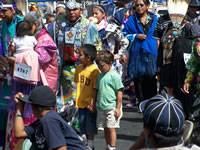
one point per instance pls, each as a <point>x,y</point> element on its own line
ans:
<point>40,108</point>
<point>48,16</point>
<point>166,141</point>
<point>23,28</point>
<point>146,2</point>
<point>105,56</point>
<point>19,12</point>
<point>89,50</point>
<point>101,8</point>
<point>78,1</point>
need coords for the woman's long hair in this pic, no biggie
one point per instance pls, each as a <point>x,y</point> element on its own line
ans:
<point>33,17</point>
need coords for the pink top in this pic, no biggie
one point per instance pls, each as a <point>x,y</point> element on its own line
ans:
<point>29,58</point>
<point>46,49</point>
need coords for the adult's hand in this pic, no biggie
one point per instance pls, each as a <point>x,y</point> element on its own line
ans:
<point>141,36</point>
<point>123,59</point>
<point>186,88</point>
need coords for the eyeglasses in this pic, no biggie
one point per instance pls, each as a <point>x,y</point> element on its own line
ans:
<point>141,5</point>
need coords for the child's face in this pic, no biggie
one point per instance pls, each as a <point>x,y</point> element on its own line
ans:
<point>50,20</point>
<point>35,112</point>
<point>104,67</point>
<point>98,14</point>
<point>82,57</point>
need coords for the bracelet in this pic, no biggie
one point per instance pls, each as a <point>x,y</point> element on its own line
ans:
<point>19,115</point>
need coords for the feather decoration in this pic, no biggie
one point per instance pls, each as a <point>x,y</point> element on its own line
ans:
<point>177,10</point>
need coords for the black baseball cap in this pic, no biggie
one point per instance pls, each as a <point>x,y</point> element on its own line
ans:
<point>41,95</point>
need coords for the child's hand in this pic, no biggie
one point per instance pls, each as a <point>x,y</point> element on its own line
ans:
<point>92,107</point>
<point>19,103</point>
<point>117,112</point>
<point>9,45</point>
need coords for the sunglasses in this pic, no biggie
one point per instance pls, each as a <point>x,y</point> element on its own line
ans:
<point>134,8</point>
<point>141,5</point>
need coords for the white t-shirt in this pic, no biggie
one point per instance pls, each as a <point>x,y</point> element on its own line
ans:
<point>23,44</point>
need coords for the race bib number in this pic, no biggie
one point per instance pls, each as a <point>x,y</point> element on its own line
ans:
<point>111,27</point>
<point>186,57</point>
<point>22,71</point>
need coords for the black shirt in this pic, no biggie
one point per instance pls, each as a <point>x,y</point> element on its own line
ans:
<point>149,20</point>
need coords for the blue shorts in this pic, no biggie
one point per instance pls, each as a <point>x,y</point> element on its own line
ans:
<point>87,121</point>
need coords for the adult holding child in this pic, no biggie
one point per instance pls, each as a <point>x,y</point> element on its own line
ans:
<point>142,67</point>
<point>46,67</point>
<point>7,32</point>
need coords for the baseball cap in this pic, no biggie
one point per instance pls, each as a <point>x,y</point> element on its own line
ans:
<point>163,114</point>
<point>41,95</point>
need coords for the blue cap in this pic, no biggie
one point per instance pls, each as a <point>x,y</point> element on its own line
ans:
<point>163,114</point>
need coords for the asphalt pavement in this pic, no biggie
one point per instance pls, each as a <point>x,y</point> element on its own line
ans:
<point>130,127</point>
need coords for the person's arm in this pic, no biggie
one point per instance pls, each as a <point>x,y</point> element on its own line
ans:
<point>46,50</point>
<point>187,82</point>
<point>19,122</point>
<point>158,43</point>
<point>62,148</point>
<point>119,102</point>
<point>13,49</point>
<point>140,143</point>
<point>93,104</point>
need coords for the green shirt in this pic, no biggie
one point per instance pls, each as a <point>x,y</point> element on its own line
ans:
<point>107,85</point>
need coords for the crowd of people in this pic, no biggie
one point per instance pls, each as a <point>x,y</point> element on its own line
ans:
<point>66,78</point>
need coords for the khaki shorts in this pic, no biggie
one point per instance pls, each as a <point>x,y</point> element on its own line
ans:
<point>107,119</point>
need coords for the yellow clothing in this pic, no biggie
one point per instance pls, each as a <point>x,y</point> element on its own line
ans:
<point>86,81</point>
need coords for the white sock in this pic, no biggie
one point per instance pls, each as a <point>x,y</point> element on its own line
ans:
<point>111,148</point>
<point>90,143</point>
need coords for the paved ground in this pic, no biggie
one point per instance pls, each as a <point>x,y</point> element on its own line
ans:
<point>131,126</point>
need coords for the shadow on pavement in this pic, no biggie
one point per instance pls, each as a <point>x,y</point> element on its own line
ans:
<point>127,137</point>
<point>132,119</point>
<point>130,109</point>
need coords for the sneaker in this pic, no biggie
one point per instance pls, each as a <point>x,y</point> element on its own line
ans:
<point>129,105</point>
<point>89,148</point>
<point>100,129</point>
